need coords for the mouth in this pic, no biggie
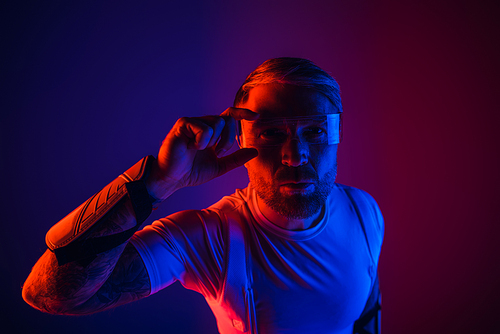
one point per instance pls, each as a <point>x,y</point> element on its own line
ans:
<point>296,187</point>
<point>296,184</point>
<point>293,182</point>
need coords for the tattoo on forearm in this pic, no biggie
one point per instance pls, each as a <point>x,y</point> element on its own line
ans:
<point>94,285</point>
<point>128,282</point>
<point>58,288</point>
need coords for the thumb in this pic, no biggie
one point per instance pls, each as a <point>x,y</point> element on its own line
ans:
<point>236,159</point>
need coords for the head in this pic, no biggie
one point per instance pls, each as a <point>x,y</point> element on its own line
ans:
<point>295,178</point>
<point>293,71</point>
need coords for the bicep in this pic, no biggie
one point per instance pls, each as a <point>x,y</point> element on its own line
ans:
<point>185,247</point>
<point>128,282</point>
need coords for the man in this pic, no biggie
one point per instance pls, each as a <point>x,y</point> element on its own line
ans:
<point>294,252</point>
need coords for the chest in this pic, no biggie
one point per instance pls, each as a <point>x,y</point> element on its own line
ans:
<point>317,285</point>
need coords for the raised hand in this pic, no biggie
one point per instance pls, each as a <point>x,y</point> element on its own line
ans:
<point>193,152</point>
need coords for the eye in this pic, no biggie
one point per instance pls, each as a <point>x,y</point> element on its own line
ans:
<point>315,134</point>
<point>314,131</point>
<point>272,136</point>
<point>272,133</point>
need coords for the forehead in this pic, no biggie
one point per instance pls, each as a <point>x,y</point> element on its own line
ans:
<point>278,100</point>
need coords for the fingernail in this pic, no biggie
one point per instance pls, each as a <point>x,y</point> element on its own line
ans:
<point>220,152</point>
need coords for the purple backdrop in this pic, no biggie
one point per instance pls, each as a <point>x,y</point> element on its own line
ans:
<point>88,89</point>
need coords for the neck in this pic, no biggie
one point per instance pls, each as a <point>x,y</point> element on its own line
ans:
<point>284,222</point>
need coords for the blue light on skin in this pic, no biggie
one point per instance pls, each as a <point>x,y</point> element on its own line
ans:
<point>278,100</point>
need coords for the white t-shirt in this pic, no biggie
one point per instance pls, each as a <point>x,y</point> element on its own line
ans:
<point>312,281</point>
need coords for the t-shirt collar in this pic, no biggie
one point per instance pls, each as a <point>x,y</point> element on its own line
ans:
<point>268,226</point>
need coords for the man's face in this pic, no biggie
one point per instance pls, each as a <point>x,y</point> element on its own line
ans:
<point>294,178</point>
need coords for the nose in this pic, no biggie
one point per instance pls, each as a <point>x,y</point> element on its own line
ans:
<point>294,153</point>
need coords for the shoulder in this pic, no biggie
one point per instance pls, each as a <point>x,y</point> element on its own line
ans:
<point>364,204</point>
<point>356,192</point>
<point>189,224</point>
<point>199,223</point>
<point>232,202</point>
<point>369,216</point>
<point>202,223</point>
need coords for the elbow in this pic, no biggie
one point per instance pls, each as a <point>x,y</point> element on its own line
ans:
<point>34,298</point>
<point>28,296</point>
<point>47,305</point>
<point>42,292</point>
<point>39,296</point>
<point>59,290</point>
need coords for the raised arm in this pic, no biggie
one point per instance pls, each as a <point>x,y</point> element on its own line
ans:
<point>90,266</point>
<point>113,278</point>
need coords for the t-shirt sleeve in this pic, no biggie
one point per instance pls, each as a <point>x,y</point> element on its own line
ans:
<point>187,247</point>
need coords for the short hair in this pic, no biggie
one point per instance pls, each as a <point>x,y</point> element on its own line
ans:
<point>292,71</point>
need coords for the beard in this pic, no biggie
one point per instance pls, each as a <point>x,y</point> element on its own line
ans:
<point>294,206</point>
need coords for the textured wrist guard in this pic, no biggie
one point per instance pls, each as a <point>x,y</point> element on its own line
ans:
<point>68,239</point>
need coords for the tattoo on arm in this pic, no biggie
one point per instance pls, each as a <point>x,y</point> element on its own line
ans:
<point>128,282</point>
<point>79,287</point>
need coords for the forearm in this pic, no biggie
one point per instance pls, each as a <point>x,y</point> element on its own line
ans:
<point>85,246</point>
<point>59,289</point>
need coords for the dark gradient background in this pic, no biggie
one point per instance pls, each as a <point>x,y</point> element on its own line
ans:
<point>89,88</point>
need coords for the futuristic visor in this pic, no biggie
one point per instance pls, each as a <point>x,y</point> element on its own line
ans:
<point>269,132</point>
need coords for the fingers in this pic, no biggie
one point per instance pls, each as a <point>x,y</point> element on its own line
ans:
<point>200,133</point>
<point>209,131</point>
<point>228,136</point>
<point>218,125</point>
<point>236,159</point>
<point>240,113</point>
<point>197,134</point>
